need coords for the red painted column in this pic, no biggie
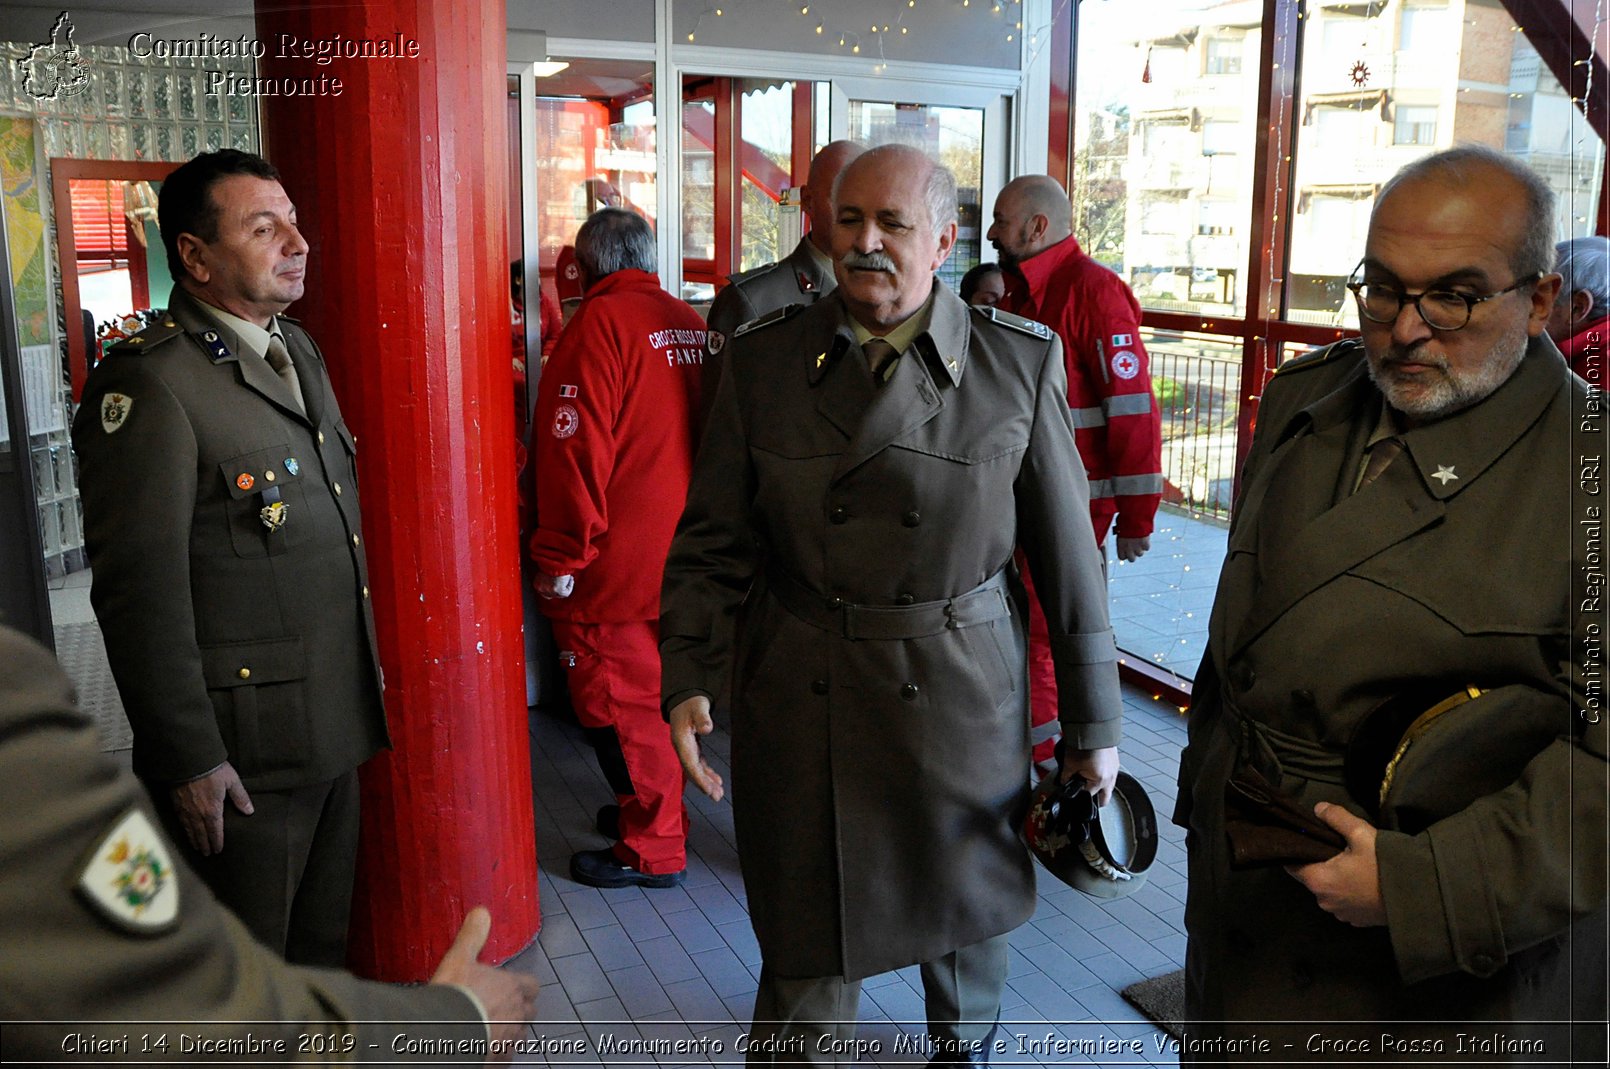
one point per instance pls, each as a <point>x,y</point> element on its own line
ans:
<point>400,183</point>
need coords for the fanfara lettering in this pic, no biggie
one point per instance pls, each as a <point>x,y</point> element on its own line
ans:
<point>682,347</point>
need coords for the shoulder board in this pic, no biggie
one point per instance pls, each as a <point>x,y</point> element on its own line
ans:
<point>149,338</point>
<point>288,319</point>
<point>753,272</point>
<point>1324,354</point>
<point>1015,322</point>
<point>768,319</point>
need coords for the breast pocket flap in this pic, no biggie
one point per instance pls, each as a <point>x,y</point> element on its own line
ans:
<point>250,664</point>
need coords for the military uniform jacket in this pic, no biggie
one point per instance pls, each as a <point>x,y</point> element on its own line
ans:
<point>878,759</point>
<point>102,921</point>
<point>1455,567</point>
<point>228,639</point>
<point>795,279</point>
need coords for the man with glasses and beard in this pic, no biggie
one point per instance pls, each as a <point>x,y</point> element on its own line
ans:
<point>1395,650</point>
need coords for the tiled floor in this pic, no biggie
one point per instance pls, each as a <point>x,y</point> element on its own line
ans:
<point>650,968</point>
<point>1160,603</point>
<point>629,966</point>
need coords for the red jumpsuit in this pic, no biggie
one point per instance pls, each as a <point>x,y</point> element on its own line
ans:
<point>1116,422</point>
<point>613,441</point>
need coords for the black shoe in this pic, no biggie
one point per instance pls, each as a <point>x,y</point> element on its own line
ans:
<point>608,822</point>
<point>598,868</point>
<point>969,1054</point>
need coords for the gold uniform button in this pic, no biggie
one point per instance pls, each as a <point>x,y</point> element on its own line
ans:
<point>356,540</point>
<point>245,673</point>
<point>321,437</point>
<point>365,591</point>
<point>269,475</point>
<point>337,487</point>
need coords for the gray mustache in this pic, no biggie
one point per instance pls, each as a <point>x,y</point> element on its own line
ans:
<point>867,261</point>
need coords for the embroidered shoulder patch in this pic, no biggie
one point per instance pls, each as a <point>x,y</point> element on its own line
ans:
<point>115,411</point>
<point>129,877</point>
<point>566,421</point>
<point>1125,364</point>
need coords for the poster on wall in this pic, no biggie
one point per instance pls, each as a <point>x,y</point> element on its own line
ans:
<point>20,172</point>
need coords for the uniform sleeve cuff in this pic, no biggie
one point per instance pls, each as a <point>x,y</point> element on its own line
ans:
<point>480,1008</point>
<point>1407,870</point>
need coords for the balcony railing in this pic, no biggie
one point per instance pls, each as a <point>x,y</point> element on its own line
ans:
<point>1196,383</point>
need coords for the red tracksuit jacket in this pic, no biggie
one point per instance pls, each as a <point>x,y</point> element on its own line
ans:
<point>1117,425</point>
<point>614,443</point>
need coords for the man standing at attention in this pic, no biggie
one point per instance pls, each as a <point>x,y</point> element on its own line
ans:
<point>844,557</point>
<point>1117,426</point>
<point>1397,646</point>
<point>221,518</point>
<point>804,276</point>
<point>614,443</point>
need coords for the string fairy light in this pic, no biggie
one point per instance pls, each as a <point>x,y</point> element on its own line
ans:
<point>873,38</point>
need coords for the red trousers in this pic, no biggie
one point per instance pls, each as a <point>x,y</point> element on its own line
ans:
<point>1042,677</point>
<point>614,675</point>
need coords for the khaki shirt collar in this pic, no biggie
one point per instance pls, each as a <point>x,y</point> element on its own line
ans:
<point>252,337</point>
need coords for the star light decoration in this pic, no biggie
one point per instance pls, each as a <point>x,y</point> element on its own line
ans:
<point>852,40</point>
<point>1360,74</point>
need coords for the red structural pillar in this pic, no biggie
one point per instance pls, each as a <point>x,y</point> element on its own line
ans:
<point>399,175</point>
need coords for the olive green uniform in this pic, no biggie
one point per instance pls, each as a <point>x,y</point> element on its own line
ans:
<point>798,278</point>
<point>148,948</point>
<point>1454,568</point>
<point>232,638</point>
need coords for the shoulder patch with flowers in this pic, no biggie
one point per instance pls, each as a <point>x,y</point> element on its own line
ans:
<point>129,877</point>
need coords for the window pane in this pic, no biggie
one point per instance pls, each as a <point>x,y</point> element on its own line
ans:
<point>590,151</point>
<point>1166,115</point>
<point>1160,603</point>
<point>767,131</point>
<point>698,180</point>
<point>1369,107</point>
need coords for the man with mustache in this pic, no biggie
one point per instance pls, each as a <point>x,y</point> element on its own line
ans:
<point>1396,647</point>
<point>221,517</point>
<point>844,557</point>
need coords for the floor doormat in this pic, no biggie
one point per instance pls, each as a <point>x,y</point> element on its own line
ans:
<point>1161,998</point>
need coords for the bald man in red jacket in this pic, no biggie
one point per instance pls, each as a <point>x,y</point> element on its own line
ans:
<point>614,441</point>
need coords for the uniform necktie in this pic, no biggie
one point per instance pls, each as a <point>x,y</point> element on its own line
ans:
<point>1382,454</point>
<point>279,358</point>
<point>880,357</point>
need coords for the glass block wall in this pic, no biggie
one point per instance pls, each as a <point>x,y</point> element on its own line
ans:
<point>130,108</point>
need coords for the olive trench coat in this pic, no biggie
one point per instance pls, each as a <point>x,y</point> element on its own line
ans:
<point>880,720</point>
<point>1454,568</point>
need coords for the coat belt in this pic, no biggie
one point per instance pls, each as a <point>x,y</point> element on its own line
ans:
<point>985,602</point>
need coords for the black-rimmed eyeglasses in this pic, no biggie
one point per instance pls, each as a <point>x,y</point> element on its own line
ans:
<point>1442,309</point>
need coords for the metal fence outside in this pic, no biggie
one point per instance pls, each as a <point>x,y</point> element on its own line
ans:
<point>1196,379</point>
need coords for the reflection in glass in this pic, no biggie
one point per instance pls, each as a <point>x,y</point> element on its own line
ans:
<point>1387,84</point>
<point>1163,148</point>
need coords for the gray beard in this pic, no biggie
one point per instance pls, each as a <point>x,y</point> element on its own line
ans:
<point>1452,391</point>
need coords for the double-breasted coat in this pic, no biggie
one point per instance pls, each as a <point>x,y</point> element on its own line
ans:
<point>1461,565</point>
<point>853,538</point>
<point>228,639</point>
